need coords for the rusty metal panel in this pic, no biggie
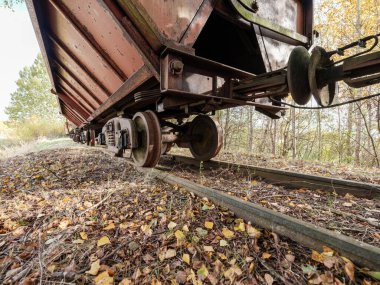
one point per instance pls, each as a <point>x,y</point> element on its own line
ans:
<point>63,29</point>
<point>171,17</point>
<point>103,28</point>
<point>80,90</point>
<point>78,71</point>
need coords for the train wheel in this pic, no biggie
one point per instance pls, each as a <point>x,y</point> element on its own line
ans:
<point>148,152</point>
<point>207,137</point>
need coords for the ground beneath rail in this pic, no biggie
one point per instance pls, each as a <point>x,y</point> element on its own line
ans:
<point>326,169</point>
<point>355,217</point>
<point>78,216</point>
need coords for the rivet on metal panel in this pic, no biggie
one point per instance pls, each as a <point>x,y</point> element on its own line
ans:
<point>176,66</point>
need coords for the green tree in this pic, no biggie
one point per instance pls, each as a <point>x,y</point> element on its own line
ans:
<point>33,98</point>
<point>10,3</point>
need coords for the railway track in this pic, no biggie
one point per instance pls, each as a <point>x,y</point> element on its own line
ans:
<point>305,233</point>
<point>292,179</point>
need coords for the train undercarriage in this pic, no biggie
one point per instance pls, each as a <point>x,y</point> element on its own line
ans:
<point>151,133</point>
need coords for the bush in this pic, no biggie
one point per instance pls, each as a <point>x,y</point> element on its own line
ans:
<point>33,129</point>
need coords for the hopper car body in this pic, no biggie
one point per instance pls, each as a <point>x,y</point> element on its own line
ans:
<point>128,72</point>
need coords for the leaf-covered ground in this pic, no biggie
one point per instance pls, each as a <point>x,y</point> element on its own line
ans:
<point>78,216</point>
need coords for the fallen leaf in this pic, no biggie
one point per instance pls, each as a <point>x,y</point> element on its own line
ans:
<point>232,272</point>
<point>78,241</point>
<point>223,243</point>
<point>228,234</point>
<point>103,241</point>
<point>240,227</point>
<point>202,272</point>
<point>374,274</point>
<point>180,277</point>
<point>316,256</point>
<point>251,267</point>
<point>185,228</point>
<point>170,253</point>
<point>186,258</point>
<point>329,261</point>
<point>126,281</point>
<point>146,230</point>
<point>266,255</point>
<point>51,268</point>
<point>180,236</point>
<point>171,225</point>
<point>349,268</point>
<point>64,224</point>
<point>103,279</point>
<point>111,226</point>
<point>83,235</point>
<point>95,266</point>
<point>208,248</point>
<point>201,232</point>
<point>252,232</point>
<point>222,256</point>
<point>209,225</point>
<point>268,278</point>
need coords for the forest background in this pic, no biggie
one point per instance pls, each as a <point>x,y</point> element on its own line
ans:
<point>349,134</point>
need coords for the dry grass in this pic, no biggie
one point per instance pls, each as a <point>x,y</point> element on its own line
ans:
<point>23,148</point>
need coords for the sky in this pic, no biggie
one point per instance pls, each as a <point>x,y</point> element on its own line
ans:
<point>18,48</point>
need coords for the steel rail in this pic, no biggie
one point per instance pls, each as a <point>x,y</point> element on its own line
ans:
<point>305,233</point>
<point>293,179</point>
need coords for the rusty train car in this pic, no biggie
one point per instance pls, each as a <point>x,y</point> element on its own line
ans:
<point>130,73</point>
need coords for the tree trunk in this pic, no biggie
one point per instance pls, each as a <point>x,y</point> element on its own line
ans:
<point>294,151</point>
<point>250,129</point>
<point>226,128</point>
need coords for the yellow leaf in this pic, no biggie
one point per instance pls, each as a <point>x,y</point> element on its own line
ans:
<point>316,256</point>
<point>185,228</point>
<point>252,232</point>
<point>208,248</point>
<point>186,258</point>
<point>179,235</point>
<point>251,267</point>
<point>209,225</point>
<point>111,226</point>
<point>227,233</point>
<point>103,279</point>
<point>172,225</point>
<point>266,255</point>
<point>222,256</point>
<point>83,235</point>
<point>223,243</point>
<point>170,253</point>
<point>95,266</point>
<point>240,227</point>
<point>103,241</point>
<point>202,272</point>
<point>51,268</point>
<point>327,251</point>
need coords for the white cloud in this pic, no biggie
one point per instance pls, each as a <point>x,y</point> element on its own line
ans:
<point>18,48</point>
